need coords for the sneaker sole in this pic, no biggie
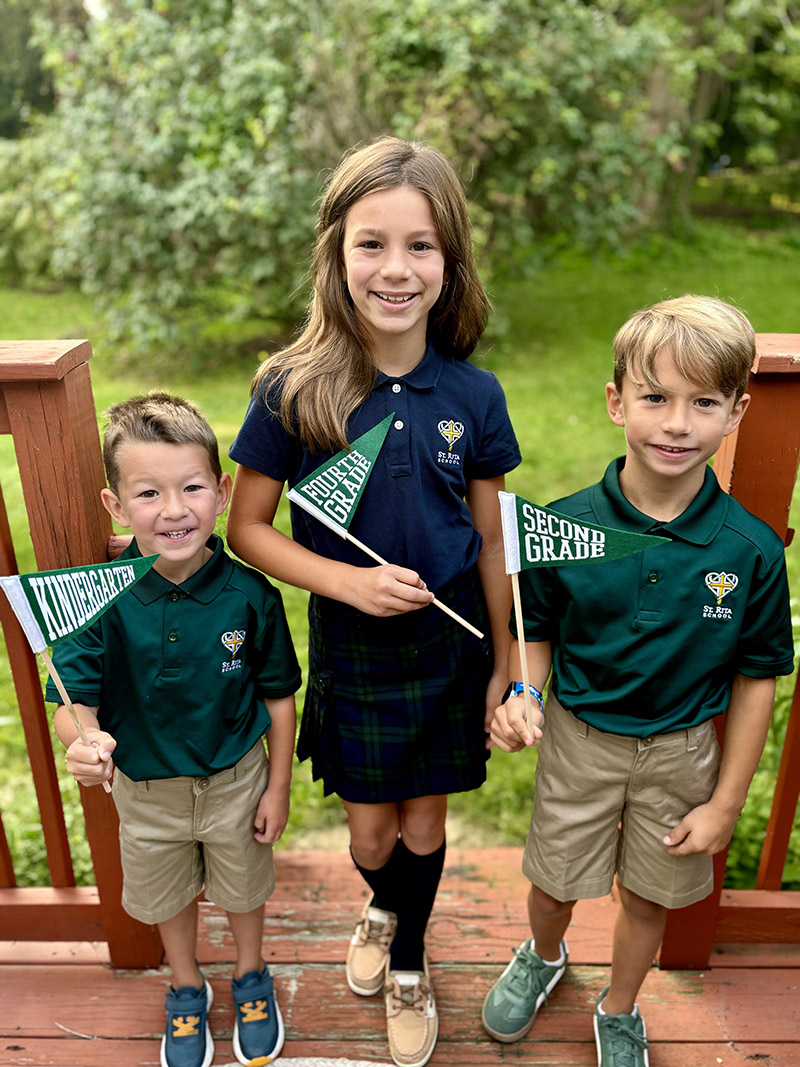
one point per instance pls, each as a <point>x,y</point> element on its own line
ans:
<point>362,991</point>
<point>209,1040</point>
<point>260,1061</point>
<point>508,1039</point>
<point>600,1051</point>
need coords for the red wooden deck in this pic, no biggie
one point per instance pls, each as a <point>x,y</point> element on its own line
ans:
<point>63,1005</point>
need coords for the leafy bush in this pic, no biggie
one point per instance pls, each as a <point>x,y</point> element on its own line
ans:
<point>753,193</point>
<point>179,176</point>
<point>26,214</point>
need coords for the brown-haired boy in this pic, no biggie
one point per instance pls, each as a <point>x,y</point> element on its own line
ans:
<point>180,680</point>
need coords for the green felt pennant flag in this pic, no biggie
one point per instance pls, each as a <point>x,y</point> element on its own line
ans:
<point>332,492</point>
<point>534,536</point>
<point>54,605</point>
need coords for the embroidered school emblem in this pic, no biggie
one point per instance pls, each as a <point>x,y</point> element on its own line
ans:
<point>233,640</point>
<point>721,583</point>
<point>451,431</point>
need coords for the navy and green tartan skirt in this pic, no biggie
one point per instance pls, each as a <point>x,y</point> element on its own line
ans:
<point>395,706</point>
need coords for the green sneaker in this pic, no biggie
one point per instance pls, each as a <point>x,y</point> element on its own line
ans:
<point>620,1039</point>
<point>511,1004</point>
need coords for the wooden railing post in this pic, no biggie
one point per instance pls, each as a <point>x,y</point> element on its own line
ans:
<point>48,407</point>
<point>757,465</point>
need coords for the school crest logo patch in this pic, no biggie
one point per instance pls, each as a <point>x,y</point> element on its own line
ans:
<point>451,431</point>
<point>233,640</point>
<point>719,583</point>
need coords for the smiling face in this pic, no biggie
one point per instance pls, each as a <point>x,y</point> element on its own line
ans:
<point>673,431</point>
<point>170,498</point>
<point>393,263</point>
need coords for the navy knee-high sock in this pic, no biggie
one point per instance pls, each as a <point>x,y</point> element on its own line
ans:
<point>418,879</point>
<point>384,881</point>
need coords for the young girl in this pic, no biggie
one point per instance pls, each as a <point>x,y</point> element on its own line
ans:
<point>398,693</point>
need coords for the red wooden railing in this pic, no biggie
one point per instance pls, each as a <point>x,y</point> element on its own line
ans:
<point>758,465</point>
<point>46,404</point>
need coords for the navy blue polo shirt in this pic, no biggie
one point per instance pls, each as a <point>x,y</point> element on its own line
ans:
<point>450,425</point>
<point>650,643</point>
<point>179,672</point>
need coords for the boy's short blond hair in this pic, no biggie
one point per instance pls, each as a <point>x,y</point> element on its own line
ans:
<point>156,418</point>
<point>711,343</point>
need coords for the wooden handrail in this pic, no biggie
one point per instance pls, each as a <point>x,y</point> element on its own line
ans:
<point>34,723</point>
<point>758,465</point>
<point>46,403</point>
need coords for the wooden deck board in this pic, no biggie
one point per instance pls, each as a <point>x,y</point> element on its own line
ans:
<point>530,1053</point>
<point>744,1011</point>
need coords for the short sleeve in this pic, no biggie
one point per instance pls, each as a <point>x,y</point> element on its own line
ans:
<point>276,670</point>
<point>262,443</point>
<point>498,451</point>
<point>538,596</point>
<point>765,646</point>
<point>79,661</point>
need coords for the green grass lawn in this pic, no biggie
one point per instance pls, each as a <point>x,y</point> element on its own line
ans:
<point>553,358</point>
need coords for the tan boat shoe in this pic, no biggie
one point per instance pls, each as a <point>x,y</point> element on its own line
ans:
<point>412,1021</point>
<point>368,951</point>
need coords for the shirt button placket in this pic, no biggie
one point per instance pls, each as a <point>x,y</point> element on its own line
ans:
<point>399,439</point>
<point>172,618</point>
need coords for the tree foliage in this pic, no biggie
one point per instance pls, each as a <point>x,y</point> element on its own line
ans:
<point>179,175</point>
<point>25,88</point>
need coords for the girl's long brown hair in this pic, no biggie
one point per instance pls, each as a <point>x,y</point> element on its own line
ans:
<point>327,372</point>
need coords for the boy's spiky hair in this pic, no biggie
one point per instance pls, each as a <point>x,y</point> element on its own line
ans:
<point>156,418</point>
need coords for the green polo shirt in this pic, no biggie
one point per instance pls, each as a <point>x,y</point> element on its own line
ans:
<point>650,643</point>
<point>179,671</point>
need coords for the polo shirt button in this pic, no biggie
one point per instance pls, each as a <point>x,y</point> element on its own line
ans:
<point>174,596</point>
<point>396,387</point>
<point>652,577</point>
<point>172,635</point>
<point>399,424</point>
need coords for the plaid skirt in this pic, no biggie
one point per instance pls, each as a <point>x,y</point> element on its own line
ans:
<point>394,707</point>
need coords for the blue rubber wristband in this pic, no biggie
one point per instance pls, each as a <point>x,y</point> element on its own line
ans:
<point>517,689</point>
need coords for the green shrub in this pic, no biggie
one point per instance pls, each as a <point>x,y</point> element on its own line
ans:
<point>179,174</point>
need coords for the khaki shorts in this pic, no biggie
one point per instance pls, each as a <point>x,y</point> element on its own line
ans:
<point>603,802</point>
<point>178,835</point>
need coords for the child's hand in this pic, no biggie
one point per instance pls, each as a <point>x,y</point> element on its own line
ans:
<point>272,815</point>
<point>386,590</point>
<point>494,695</point>
<point>706,829</point>
<point>509,730</point>
<point>92,764</point>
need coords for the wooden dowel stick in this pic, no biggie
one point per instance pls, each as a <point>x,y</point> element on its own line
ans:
<point>523,659</point>
<point>51,670</point>
<point>436,603</point>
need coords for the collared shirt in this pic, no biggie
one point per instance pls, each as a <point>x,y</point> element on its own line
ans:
<point>650,643</point>
<point>450,425</point>
<point>179,671</point>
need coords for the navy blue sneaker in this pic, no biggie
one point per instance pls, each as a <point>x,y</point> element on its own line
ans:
<point>187,1040</point>
<point>258,1031</point>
